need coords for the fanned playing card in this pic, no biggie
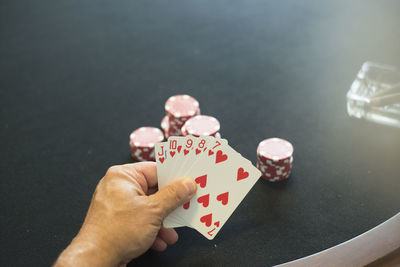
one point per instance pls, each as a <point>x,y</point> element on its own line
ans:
<point>223,176</point>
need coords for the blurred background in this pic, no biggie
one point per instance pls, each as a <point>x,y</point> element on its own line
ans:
<point>76,77</point>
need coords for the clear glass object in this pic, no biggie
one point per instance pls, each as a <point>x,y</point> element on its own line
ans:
<point>375,81</point>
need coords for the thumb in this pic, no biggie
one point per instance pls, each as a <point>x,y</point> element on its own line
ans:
<point>174,194</point>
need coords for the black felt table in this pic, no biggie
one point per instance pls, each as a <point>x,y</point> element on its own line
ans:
<point>76,77</point>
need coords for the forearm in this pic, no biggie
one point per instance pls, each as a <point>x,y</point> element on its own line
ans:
<point>86,252</point>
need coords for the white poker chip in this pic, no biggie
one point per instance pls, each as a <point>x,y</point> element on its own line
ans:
<point>202,125</point>
<point>275,149</point>
<point>180,106</point>
<point>146,137</point>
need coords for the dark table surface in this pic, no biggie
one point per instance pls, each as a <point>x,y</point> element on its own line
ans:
<point>78,76</point>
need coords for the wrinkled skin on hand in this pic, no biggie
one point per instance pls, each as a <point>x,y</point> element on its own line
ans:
<point>125,217</point>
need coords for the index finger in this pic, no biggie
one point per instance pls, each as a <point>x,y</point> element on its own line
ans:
<point>145,173</point>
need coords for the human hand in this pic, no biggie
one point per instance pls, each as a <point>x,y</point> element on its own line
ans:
<point>125,217</point>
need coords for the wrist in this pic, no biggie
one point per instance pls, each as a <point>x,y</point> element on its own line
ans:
<point>87,250</point>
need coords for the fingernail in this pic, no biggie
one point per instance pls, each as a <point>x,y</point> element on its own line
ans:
<point>190,186</point>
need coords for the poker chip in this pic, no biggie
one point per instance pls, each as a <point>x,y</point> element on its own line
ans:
<point>146,137</point>
<point>142,142</point>
<point>181,106</point>
<point>165,126</point>
<point>175,131</point>
<point>183,130</point>
<point>165,123</point>
<point>275,148</point>
<point>202,125</point>
<point>274,173</point>
<point>179,109</point>
<point>185,133</point>
<point>274,159</point>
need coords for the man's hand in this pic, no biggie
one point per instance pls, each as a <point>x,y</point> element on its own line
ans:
<point>125,217</point>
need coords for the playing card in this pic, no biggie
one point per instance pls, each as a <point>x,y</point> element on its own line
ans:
<point>177,147</point>
<point>192,149</point>
<point>164,155</point>
<point>205,146</point>
<point>186,157</point>
<point>161,154</point>
<point>174,144</point>
<point>223,176</point>
<point>221,187</point>
<point>198,149</point>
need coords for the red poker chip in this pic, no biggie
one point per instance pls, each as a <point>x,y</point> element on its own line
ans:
<point>180,106</point>
<point>140,154</point>
<point>274,172</point>
<point>183,130</point>
<point>177,122</point>
<point>174,131</point>
<point>174,127</point>
<point>179,109</point>
<point>275,149</point>
<point>146,137</point>
<point>217,135</point>
<point>274,176</point>
<point>269,162</point>
<point>276,166</point>
<point>165,126</point>
<point>279,162</point>
<point>202,125</point>
<point>165,123</point>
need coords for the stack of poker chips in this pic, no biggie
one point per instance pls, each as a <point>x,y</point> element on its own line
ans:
<point>179,109</point>
<point>201,125</point>
<point>274,159</point>
<point>142,141</point>
<point>182,118</point>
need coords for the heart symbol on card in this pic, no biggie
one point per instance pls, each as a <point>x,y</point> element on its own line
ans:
<point>185,151</point>
<point>216,223</point>
<point>161,159</point>
<point>179,149</point>
<point>204,200</point>
<point>241,174</point>
<point>206,219</point>
<point>223,198</point>
<point>198,151</point>
<point>201,180</point>
<point>172,153</point>
<point>186,205</point>
<point>220,157</point>
<point>210,152</point>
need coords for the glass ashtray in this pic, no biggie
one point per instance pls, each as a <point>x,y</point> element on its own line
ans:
<point>375,94</point>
